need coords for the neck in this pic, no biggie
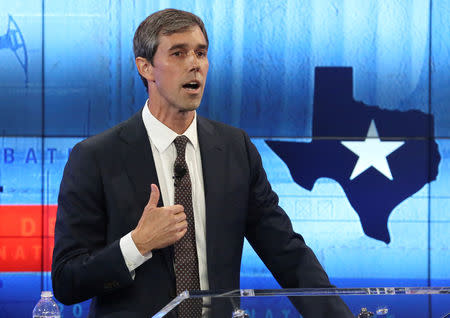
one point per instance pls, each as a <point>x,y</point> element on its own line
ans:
<point>175,119</point>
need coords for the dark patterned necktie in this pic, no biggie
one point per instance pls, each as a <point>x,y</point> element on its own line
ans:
<point>186,261</point>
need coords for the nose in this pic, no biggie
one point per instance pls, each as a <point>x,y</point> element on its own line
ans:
<point>193,61</point>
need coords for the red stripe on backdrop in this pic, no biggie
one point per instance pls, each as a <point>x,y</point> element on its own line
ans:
<point>23,240</point>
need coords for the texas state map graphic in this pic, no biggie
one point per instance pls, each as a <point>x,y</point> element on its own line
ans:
<point>379,157</point>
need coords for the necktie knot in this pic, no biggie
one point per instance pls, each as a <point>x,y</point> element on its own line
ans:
<point>180,144</point>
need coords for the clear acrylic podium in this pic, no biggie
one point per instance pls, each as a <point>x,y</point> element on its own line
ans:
<point>386,302</point>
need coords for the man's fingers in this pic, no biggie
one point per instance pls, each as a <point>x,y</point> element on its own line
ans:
<point>182,225</point>
<point>180,217</point>
<point>177,208</point>
<point>181,233</point>
<point>154,196</point>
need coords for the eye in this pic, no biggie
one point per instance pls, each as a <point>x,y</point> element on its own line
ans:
<point>201,53</point>
<point>177,53</point>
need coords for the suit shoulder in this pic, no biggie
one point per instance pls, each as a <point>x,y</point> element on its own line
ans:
<point>108,139</point>
<point>224,130</point>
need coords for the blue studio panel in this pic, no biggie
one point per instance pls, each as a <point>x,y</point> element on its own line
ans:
<point>21,68</point>
<point>440,81</point>
<point>306,80</point>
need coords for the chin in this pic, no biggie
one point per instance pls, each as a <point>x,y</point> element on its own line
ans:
<point>188,108</point>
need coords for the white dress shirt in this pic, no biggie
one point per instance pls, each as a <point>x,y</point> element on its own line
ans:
<point>164,154</point>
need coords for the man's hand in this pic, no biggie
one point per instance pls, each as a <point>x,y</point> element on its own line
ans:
<point>159,227</point>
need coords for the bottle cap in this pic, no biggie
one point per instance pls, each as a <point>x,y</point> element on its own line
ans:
<point>46,293</point>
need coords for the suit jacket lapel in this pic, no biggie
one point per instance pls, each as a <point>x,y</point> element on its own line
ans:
<point>138,157</point>
<point>211,149</point>
<point>140,167</point>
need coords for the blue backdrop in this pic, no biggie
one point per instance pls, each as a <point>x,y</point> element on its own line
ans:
<point>67,72</point>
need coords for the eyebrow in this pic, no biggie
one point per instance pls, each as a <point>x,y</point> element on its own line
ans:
<point>185,45</point>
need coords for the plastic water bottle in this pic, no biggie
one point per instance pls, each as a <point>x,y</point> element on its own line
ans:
<point>46,307</point>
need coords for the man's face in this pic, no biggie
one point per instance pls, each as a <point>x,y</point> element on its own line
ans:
<point>180,66</point>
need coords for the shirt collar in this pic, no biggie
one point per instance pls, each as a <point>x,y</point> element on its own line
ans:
<point>161,135</point>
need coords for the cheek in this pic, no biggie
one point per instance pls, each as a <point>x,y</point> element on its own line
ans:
<point>166,79</point>
<point>205,67</point>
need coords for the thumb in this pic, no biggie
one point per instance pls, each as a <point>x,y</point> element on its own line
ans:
<point>154,196</point>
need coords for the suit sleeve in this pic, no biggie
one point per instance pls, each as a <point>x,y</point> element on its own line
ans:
<point>84,265</point>
<point>284,252</point>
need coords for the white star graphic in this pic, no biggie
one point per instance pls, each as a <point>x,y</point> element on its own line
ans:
<point>372,152</point>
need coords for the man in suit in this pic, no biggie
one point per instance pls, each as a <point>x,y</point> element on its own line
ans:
<point>162,202</point>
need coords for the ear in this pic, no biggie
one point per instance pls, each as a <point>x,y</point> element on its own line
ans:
<point>145,68</point>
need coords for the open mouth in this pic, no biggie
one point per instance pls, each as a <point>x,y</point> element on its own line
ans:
<point>194,85</point>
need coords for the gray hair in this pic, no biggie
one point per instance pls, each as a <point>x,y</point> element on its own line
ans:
<point>165,22</point>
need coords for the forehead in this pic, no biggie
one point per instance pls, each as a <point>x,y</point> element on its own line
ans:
<point>191,37</point>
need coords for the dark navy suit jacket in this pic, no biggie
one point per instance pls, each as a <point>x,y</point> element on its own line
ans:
<point>105,187</point>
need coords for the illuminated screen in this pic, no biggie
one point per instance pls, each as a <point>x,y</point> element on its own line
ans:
<point>346,101</point>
